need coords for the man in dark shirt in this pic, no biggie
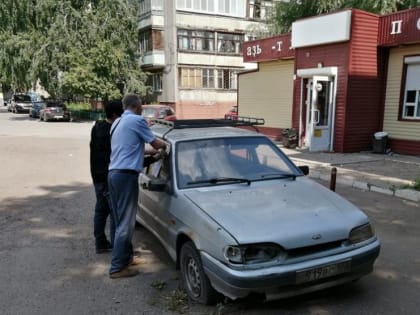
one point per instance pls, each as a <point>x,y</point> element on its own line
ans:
<point>100,152</point>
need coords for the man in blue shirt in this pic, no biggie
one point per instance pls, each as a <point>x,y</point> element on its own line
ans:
<point>129,135</point>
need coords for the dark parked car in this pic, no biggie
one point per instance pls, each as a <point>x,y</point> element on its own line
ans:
<point>20,103</point>
<point>158,112</point>
<point>36,109</point>
<point>54,110</point>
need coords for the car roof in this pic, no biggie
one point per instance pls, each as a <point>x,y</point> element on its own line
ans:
<point>196,132</point>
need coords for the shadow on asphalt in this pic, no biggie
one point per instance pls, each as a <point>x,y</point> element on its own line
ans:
<point>50,234</point>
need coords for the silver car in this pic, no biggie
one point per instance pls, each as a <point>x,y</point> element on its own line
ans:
<point>238,217</point>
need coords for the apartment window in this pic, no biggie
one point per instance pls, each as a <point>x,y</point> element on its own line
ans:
<point>227,79</point>
<point>157,82</point>
<point>190,78</point>
<point>227,7</point>
<point>208,78</point>
<point>411,107</point>
<point>229,43</point>
<point>261,9</point>
<point>145,41</point>
<point>144,7</point>
<point>195,40</point>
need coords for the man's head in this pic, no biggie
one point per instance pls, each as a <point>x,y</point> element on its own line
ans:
<point>132,102</point>
<point>113,109</point>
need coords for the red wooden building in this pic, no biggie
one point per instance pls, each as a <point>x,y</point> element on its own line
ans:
<point>339,78</point>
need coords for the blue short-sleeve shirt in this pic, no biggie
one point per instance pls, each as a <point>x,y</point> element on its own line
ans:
<point>129,135</point>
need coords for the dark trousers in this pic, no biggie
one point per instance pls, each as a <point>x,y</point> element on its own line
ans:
<point>102,212</point>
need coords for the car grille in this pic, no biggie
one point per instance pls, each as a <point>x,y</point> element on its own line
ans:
<point>309,250</point>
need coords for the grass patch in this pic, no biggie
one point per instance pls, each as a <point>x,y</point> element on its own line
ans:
<point>177,301</point>
<point>158,285</point>
<point>415,185</point>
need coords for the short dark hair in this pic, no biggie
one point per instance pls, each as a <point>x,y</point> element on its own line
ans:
<point>131,101</point>
<point>113,108</point>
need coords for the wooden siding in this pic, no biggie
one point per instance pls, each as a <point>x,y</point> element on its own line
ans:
<point>268,93</point>
<point>332,55</point>
<point>363,109</point>
<point>397,129</point>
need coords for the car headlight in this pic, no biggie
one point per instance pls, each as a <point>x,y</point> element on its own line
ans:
<point>361,233</point>
<point>253,253</point>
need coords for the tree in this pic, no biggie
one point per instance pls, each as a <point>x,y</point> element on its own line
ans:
<point>74,47</point>
<point>286,12</point>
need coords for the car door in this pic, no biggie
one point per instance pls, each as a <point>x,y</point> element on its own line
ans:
<point>154,205</point>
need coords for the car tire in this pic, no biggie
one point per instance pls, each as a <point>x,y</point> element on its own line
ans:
<point>195,282</point>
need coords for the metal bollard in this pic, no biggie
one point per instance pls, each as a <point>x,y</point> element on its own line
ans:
<point>333,178</point>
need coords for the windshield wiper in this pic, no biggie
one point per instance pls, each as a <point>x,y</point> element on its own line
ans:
<point>217,180</point>
<point>278,176</point>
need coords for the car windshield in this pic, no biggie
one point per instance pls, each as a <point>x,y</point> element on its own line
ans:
<point>230,160</point>
<point>23,98</point>
<point>148,112</point>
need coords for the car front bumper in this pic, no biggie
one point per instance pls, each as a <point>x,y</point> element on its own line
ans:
<point>57,116</point>
<point>22,109</point>
<point>280,281</point>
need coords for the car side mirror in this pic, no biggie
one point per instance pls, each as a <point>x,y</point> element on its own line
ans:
<point>155,184</point>
<point>304,169</point>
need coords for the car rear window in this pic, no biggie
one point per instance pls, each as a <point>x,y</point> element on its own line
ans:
<point>148,112</point>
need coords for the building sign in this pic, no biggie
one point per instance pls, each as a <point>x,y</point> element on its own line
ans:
<point>272,48</point>
<point>400,28</point>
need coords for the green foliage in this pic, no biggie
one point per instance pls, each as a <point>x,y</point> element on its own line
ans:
<point>74,47</point>
<point>78,106</point>
<point>416,184</point>
<point>286,12</point>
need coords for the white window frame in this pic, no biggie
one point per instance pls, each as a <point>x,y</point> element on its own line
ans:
<point>412,84</point>
<point>224,7</point>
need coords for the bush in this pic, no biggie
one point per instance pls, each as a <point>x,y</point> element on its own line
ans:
<point>84,111</point>
<point>79,106</point>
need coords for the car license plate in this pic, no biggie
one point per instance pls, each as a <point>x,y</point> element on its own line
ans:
<point>313,274</point>
<point>58,117</point>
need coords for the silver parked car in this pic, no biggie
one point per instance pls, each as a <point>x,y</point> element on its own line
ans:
<point>238,217</point>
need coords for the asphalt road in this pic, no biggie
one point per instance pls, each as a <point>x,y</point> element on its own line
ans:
<point>48,264</point>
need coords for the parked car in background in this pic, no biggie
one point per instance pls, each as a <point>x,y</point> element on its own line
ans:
<point>20,103</point>
<point>54,110</point>
<point>232,113</point>
<point>239,217</point>
<point>158,112</point>
<point>36,109</point>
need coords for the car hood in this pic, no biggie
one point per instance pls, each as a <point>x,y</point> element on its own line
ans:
<point>292,213</point>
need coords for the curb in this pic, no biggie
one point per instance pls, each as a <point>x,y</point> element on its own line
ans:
<point>323,172</point>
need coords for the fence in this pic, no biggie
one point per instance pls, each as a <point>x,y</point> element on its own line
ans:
<point>77,115</point>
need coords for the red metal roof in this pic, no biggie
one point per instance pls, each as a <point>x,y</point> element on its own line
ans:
<point>400,28</point>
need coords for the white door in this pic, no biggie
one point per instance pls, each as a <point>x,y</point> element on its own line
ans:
<point>318,116</point>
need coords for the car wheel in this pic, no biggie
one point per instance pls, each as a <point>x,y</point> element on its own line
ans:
<point>194,280</point>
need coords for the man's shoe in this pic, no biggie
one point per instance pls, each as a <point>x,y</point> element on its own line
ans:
<point>127,272</point>
<point>104,249</point>
<point>136,260</point>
